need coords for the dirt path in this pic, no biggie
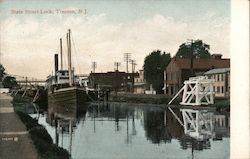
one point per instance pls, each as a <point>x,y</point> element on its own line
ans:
<point>15,141</point>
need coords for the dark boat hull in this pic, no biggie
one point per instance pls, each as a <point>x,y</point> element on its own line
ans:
<point>67,103</point>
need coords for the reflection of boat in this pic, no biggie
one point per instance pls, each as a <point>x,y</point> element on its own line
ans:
<point>64,118</point>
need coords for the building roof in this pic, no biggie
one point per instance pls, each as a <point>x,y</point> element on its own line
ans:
<point>201,63</point>
<point>217,71</point>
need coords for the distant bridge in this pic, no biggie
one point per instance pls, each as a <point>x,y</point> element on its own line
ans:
<point>22,80</point>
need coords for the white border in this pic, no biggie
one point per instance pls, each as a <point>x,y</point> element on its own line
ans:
<point>240,108</point>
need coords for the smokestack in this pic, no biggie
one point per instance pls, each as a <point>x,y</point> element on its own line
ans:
<point>56,63</point>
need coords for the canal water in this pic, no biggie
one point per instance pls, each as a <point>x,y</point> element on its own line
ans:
<point>127,131</point>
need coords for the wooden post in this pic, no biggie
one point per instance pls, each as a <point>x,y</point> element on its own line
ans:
<point>165,82</point>
<point>70,136</point>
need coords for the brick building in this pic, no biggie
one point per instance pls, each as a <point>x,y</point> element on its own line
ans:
<point>179,70</point>
<point>115,81</point>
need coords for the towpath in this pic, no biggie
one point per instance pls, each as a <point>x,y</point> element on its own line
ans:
<point>15,141</point>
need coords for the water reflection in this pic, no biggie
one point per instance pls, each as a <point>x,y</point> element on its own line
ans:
<point>136,131</point>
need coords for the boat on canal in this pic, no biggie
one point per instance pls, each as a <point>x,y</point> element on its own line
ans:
<point>64,87</point>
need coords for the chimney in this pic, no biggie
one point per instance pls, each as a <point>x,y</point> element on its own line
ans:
<point>56,63</point>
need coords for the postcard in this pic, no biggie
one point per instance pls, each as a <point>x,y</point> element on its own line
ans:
<point>130,79</point>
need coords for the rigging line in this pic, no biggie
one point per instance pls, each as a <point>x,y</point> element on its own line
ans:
<point>63,35</point>
<point>65,54</point>
<point>76,54</point>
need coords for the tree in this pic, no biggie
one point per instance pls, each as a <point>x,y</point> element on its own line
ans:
<point>2,72</point>
<point>197,49</point>
<point>154,65</point>
<point>9,82</point>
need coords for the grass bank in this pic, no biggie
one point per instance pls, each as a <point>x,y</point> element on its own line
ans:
<point>143,98</point>
<point>220,103</point>
<point>39,135</point>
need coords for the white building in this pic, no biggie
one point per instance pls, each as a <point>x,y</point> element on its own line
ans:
<point>139,83</point>
<point>222,81</point>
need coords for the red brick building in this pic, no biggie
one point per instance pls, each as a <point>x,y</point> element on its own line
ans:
<point>179,70</point>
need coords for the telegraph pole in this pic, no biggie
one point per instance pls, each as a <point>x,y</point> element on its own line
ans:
<point>94,65</point>
<point>133,63</point>
<point>127,57</point>
<point>132,74</point>
<point>116,65</point>
<point>192,57</point>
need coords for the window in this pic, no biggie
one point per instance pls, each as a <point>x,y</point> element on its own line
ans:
<point>218,77</point>
<point>171,90</point>
<point>218,89</point>
<point>222,89</point>
<point>222,77</point>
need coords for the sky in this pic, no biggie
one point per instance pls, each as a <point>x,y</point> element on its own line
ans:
<point>103,30</point>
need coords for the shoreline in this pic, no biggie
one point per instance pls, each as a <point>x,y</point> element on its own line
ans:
<point>38,133</point>
<point>14,133</point>
<point>164,106</point>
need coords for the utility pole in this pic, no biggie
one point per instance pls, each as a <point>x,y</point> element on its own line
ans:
<point>133,63</point>
<point>116,65</point>
<point>127,57</point>
<point>132,74</point>
<point>94,65</point>
<point>192,57</point>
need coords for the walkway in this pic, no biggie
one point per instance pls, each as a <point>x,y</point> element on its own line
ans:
<point>15,141</point>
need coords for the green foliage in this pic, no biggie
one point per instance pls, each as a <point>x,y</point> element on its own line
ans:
<point>2,72</point>
<point>197,48</point>
<point>9,82</point>
<point>154,65</point>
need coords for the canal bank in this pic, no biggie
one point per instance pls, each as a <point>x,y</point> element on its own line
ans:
<point>15,141</point>
<point>38,135</point>
<point>221,104</point>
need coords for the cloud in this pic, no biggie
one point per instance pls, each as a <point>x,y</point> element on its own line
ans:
<point>28,45</point>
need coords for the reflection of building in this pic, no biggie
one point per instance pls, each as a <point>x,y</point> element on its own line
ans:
<point>179,70</point>
<point>139,83</point>
<point>221,126</point>
<point>222,81</point>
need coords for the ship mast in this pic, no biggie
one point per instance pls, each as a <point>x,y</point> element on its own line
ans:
<point>61,53</point>
<point>69,57</point>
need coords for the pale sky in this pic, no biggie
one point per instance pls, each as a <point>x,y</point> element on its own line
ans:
<point>108,29</point>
